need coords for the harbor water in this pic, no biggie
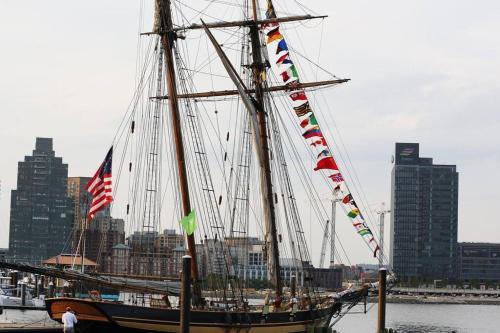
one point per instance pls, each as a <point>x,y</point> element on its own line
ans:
<point>425,318</point>
<point>404,318</point>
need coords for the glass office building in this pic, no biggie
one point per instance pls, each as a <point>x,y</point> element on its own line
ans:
<point>424,216</point>
<point>41,214</point>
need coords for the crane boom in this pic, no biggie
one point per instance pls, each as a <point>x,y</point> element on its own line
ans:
<point>323,245</point>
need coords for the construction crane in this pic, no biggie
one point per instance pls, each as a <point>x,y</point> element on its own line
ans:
<point>323,245</point>
<point>325,237</point>
<point>381,214</point>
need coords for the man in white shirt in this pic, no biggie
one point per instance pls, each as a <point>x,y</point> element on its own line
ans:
<point>69,320</point>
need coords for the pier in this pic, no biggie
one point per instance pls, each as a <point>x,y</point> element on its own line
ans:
<point>445,292</point>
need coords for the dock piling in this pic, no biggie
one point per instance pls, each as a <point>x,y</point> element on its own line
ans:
<point>293,286</point>
<point>185,294</point>
<point>23,293</point>
<point>37,287</point>
<point>382,275</point>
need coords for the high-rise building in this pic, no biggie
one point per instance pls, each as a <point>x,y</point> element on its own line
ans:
<point>102,233</point>
<point>479,262</point>
<point>100,236</point>
<point>41,214</point>
<point>424,216</point>
<point>81,198</point>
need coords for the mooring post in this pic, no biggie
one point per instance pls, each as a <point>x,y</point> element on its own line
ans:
<point>23,293</point>
<point>42,285</point>
<point>37,289</point>
<point>185,294</point>
<point>382,274</point>
<point>13,278</point>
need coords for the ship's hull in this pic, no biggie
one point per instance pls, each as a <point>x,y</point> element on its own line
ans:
<point>115,317</point>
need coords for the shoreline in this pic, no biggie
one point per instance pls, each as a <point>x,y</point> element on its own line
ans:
<point>442,300</point>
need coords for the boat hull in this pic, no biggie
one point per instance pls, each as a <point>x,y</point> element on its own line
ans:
<point>115,317</point>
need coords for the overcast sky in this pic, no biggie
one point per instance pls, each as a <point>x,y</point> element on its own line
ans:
<point>422,71</point>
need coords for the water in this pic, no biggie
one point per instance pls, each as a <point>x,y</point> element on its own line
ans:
<point>424,318</point>
<point>405,318</point>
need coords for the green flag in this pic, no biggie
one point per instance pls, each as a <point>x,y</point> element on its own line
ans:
<point>353,213</point>
<point>189,223</point>
<point>364,232</point>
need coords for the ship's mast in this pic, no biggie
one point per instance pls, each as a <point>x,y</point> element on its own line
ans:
<point>258,68</point>
<point>164,27</point>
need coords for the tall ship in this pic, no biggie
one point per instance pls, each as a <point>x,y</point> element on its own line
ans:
<point>219,133</point>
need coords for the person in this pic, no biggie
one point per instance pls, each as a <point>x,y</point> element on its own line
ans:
<point>278,301</point>
<point>69,320</point>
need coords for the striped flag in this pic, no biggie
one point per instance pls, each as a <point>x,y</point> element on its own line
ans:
<point>100,186</point>
<point>337,177</point>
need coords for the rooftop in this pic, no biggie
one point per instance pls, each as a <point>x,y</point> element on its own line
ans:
<point>68,260</point>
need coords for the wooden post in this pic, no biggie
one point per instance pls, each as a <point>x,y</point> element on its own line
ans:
<point>42,285</point>
<point>382,274</point>
<point>23,293</point>
<point>185,294</point>
<point>37,287</point>
<point>13,279</point>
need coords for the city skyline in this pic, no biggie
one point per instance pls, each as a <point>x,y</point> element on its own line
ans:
<point>434,90</point>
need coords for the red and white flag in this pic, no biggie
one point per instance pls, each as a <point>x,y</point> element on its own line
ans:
<point>100,186</point>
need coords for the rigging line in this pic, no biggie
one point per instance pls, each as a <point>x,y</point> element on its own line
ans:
<point>132,113</point>
<point>282,170</point>
<point>139,44</point>
<point>295,51</point>
<point>212,126</point>
<point>229,215</point>
<point>364,205</point>
<point>123,157</point>
<point>343,208</point>
<point>305,57</point>
<point>306,9</point>
<point>200,13</point>
<point>137,106</point>
<point>303,172</point>
<point>200,160</point>
<point>368,212</point>
<point>320,47</point>
<point>135,96</point>
<point>300,168</point>
<point>301,240</point>
<point>227,3</point>
<point>348,167</point>
<point>205,73</point>
<point>212,56</point>
<point>281,11</point>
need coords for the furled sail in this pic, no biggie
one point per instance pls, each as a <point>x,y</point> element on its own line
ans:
<point>113,282</point>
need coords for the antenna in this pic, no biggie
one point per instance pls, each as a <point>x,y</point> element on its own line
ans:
<point>381,213</point>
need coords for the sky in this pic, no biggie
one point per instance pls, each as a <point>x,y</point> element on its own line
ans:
<point>421,71</point>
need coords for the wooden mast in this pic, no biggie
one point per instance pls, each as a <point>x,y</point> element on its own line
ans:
<point>165,26</point>
<point>258,69</point>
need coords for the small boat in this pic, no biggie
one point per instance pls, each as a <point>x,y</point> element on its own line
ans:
<point>10,295</point>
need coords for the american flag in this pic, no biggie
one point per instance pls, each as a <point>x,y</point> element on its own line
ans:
<point>100,186</point>
<point>337,177</point>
